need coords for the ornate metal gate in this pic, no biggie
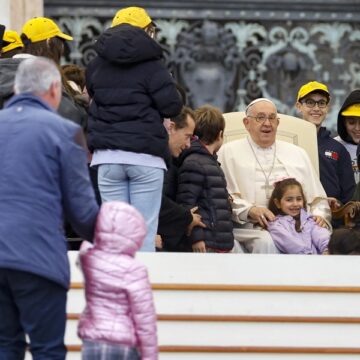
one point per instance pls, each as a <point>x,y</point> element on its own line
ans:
<point>227,54</point>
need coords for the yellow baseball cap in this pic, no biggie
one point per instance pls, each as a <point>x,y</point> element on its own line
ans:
<point>41,28</point>
<point>352,110</point>
<point>133,15</point>
<point>311,87</point>
<point>12,41</point>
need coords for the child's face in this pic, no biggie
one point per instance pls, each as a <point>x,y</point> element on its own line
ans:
<point>292,201</point>
<point>352,125</point>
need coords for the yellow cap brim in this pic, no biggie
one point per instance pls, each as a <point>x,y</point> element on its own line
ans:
<point>64,36</point>
<point>11,46</point>
<point>353,110</point>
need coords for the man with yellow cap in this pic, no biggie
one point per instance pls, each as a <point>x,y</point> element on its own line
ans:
<point>132,92</point>
<point>348,127</point>
<point>12,44</point>
<point>336,173</point>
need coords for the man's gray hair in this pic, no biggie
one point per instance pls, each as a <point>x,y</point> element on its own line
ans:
<point>35,75</point>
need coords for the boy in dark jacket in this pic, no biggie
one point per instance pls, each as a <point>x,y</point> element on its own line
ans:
<point>202,183</point>
<point>336,174</point>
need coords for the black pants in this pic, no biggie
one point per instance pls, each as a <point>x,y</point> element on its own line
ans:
<point>32,305</point>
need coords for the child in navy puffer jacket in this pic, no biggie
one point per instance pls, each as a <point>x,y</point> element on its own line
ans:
<point>119,319</point>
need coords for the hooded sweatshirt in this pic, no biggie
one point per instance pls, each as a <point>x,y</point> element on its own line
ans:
<point>119,302</point>
<point>132,92</point>
<point>343,137</point>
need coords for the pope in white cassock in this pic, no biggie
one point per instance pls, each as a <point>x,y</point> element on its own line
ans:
<point>251,166</point>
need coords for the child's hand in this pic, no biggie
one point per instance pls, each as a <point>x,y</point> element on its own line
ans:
<point>199,247</point>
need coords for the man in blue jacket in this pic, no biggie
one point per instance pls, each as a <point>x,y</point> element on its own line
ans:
<point>43,179</point>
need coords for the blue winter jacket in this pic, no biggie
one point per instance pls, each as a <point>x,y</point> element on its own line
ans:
<point>43,178</point>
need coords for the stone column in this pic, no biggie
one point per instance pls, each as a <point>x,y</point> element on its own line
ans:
<point>14,13</point>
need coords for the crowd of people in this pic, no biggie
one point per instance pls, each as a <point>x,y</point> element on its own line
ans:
<point>113,154</point>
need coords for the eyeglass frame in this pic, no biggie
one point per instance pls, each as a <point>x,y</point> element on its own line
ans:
<point>316,102</point>
<point>266,117</point>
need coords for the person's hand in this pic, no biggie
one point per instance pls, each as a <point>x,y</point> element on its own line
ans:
<point>199,247</point>
<point>196,221</point>
<point>319,220</point>
<point>325,252</point>
<point>158,242</point>
<point>261,215</point>
<point>334,203</point>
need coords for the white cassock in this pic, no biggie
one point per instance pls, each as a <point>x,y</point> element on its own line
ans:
<point>246,184</point>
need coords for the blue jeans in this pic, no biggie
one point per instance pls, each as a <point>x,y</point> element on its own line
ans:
<point>140,186</point>
<point>33,305</point>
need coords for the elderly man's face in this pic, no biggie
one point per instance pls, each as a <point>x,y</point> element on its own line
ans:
<point>262,132</point>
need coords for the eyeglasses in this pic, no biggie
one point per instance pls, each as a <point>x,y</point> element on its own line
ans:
<point>261,118</point>
<point>311,103</point>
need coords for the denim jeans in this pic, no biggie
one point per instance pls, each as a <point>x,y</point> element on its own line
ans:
<point>140,186</point>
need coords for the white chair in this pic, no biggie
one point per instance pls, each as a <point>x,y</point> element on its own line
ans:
<point>299,132</point>
<point>291,129</point>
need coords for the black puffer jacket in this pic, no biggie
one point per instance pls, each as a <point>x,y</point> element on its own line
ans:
<point>131,91</point>
<point>353,98</point>
<point>173,217</point>
<point>201,182</point>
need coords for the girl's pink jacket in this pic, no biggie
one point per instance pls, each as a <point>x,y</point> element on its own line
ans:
<point>119,302</point>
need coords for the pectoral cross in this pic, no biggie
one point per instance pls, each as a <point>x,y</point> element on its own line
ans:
<point>268,188</point>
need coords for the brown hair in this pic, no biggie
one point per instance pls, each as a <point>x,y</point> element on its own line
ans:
<point>344,242</point>
<point>181,119</point>
<point>52,48</point>
<point>278,193</point>
<point>74,73</point>
<point>209,121</point>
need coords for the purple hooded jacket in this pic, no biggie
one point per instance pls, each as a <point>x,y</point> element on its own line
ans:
<point>313,239</point>
<point>119,302</point>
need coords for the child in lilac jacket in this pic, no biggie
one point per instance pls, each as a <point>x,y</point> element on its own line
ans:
<point>119,319</point>
<point>294,231</point>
